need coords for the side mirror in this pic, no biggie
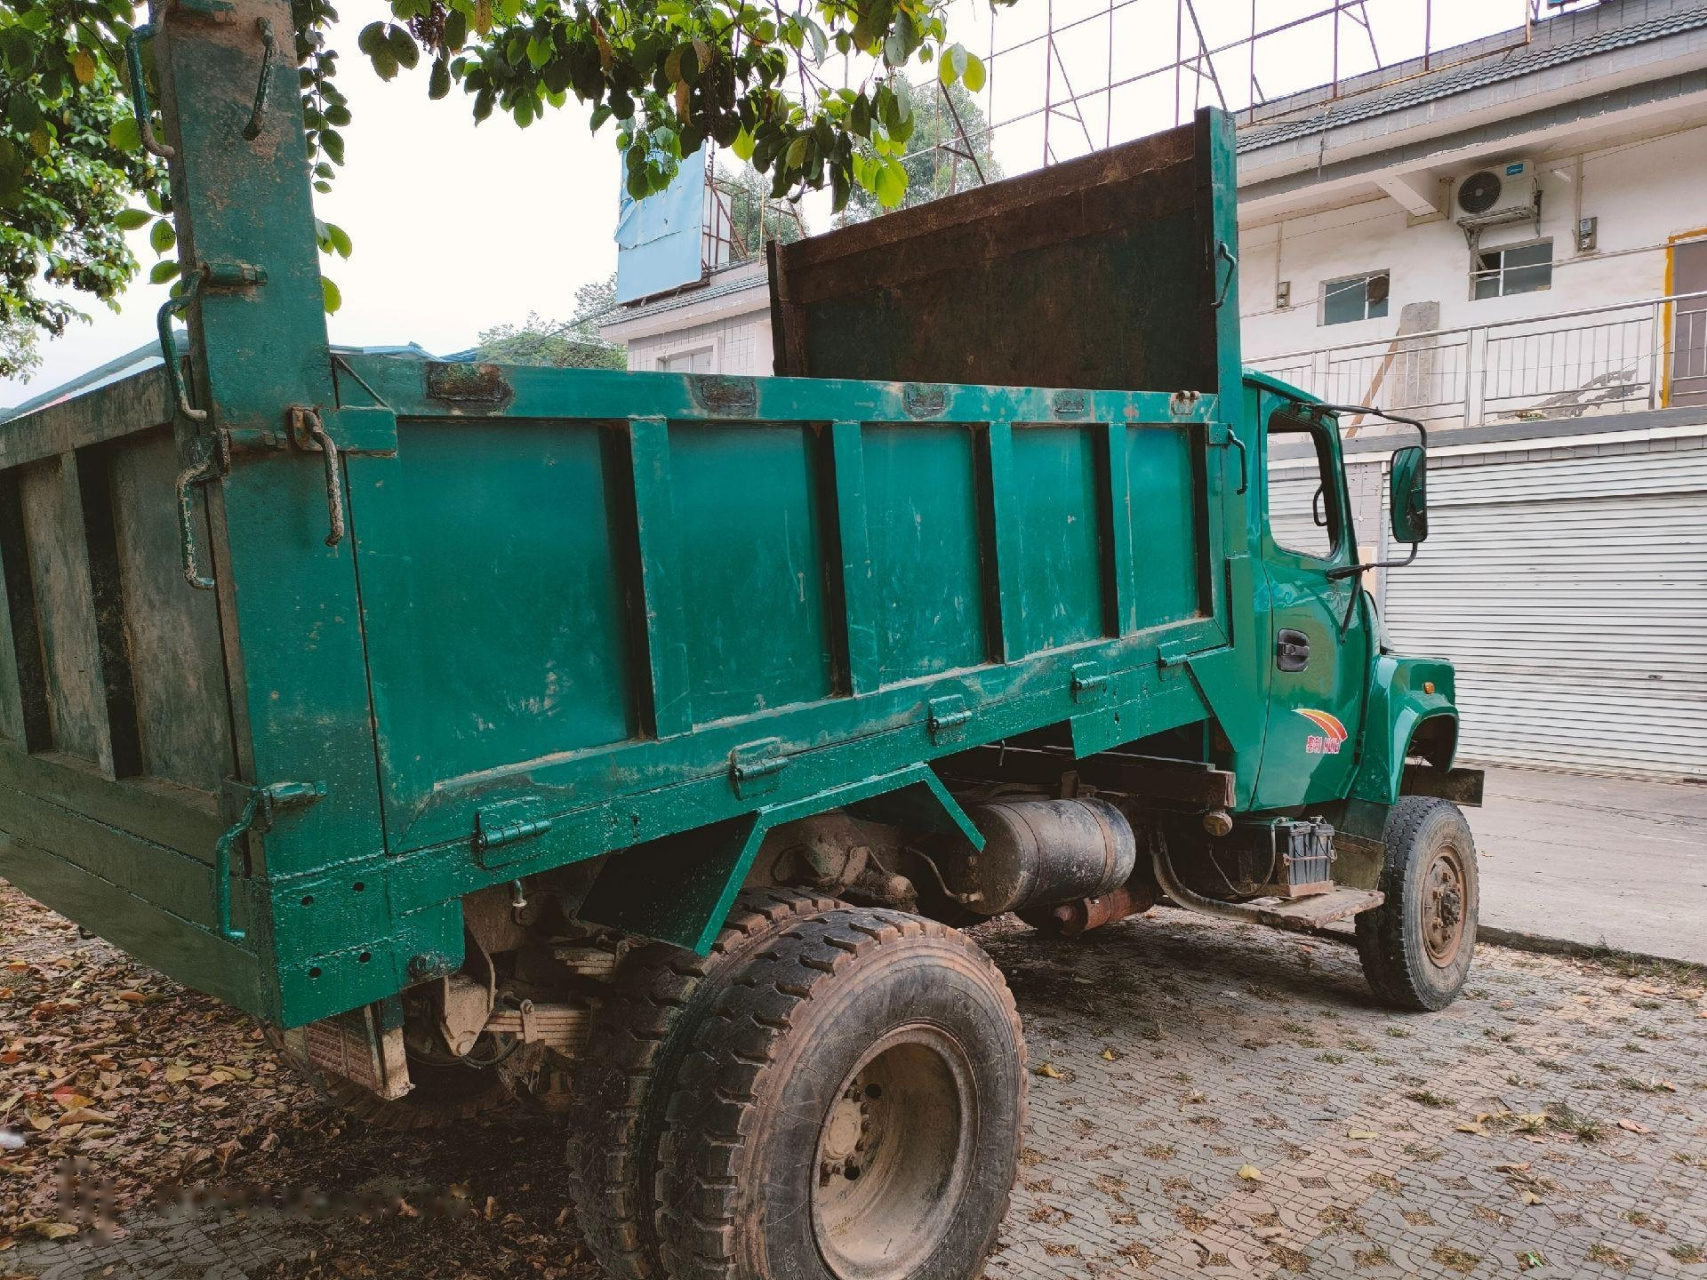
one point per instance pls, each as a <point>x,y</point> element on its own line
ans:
<point>1407,495</point>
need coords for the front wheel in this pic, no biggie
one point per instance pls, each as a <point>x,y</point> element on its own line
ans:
<point>1416,947</point>
<point>853,1110</point>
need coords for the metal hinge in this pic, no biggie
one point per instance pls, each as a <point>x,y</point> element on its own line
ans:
<point>260,806</point>
<point>754,766</point>
<point>948,717</point>
<point>493,833</point>
<point>1090,681</point>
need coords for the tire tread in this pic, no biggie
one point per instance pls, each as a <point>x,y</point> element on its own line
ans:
<point>710,1112</point>
<point>624,1081</point>
<point>1383,934</point>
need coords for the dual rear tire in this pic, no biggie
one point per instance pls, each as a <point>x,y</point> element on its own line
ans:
<point>841,1096</point>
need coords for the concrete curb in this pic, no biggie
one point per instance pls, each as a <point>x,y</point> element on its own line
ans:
<point>1536,944</point>
<point>1518,940</point>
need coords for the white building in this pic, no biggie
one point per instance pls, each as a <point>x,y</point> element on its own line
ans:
<point>1539,318</point>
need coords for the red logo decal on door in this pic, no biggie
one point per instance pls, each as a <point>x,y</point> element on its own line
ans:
<point>1327,742</point>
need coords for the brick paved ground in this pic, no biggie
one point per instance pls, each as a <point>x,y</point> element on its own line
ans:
<point>1555,1116</point>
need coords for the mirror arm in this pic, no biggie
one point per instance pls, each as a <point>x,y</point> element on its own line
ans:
<point>1352,570</point>
<point>1368,412</point>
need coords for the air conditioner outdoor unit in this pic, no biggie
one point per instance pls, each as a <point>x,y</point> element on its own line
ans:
<point>1500,193</point>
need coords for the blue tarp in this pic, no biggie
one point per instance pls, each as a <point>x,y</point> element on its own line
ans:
<point>658,238</point>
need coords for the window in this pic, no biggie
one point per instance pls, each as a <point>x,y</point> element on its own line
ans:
<point>1518,268</point>
<point>686,361</point>
<point>1355,298</point>
<point>1303,506</point>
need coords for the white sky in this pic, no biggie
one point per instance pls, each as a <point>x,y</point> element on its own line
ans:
<point>459,228</point>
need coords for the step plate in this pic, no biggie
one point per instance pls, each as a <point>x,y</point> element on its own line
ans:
<point>1305,914</point>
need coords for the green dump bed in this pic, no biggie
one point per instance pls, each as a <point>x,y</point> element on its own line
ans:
<point>584,613</point>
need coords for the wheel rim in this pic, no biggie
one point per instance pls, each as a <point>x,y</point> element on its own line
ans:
<point>1443,906</point>
<point>894,1156</point>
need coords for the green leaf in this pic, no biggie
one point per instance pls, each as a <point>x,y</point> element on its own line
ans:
<point>330,297</point>
<point>973,76</point>
<point>743,145</point>
<point>131,219</point>
<point>162,236</point>
<point>339,239</point>
<point>945,72</point>
<point>403,47</point>
<point>125,135</point>
<point>163,271</point>
<point>17,51</point>
<point>372,40</point>
<point>438,80</point>
<point>891,184</point>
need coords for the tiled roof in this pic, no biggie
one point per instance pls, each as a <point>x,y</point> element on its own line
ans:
<point>1471,75</point>
<point>717,288</point>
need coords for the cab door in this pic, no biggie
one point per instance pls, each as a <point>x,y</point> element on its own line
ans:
<point>1319,644</point>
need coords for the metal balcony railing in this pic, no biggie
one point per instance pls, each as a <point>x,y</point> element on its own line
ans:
<point>1619,357</point>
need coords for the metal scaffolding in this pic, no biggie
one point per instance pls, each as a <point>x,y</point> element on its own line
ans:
<point>1102,83</point>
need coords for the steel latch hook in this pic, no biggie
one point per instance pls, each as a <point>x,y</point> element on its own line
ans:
<point>1222,251</point>
<point>269,60</point>
<point>211,458</point>
<point>309,432</point>
<point>259,806</point>
<point>139,92</point>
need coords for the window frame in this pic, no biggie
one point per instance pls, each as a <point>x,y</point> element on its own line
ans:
<point>1478,274</point>
<point>1363,278</point>
<point>1323,433</point>
<point>663,359</point>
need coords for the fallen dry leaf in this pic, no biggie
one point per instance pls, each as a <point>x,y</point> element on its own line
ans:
<point>1634,1127</point>
<point>83,1115</point>
<point>1250,1173</point>
<point>1048,1071</point>
<point>1362,1135</point>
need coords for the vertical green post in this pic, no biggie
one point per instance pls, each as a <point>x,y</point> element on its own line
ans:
<point>288,605</point>
<point>859,598</point>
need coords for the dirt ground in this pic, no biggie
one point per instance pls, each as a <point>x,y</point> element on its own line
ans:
<point>1208,1099</point>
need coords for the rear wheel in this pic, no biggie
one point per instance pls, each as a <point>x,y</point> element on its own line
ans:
<point>852,1110</point>
<point>1417,946</point>
<point>622,1086</point>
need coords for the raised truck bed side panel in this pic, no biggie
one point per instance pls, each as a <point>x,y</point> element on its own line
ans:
<point>603,609</point>
<point>1113,271</point>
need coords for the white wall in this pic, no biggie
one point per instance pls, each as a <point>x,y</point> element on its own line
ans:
<point>1641,192</point>
<point>739,344</point>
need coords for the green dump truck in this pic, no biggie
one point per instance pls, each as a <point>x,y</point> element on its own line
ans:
<point>638,746</point>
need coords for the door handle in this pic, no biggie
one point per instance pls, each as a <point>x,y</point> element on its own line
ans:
<point>1291,650</point>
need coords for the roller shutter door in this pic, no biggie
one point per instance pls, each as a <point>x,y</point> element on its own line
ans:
<point>1571,594</point>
